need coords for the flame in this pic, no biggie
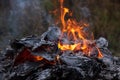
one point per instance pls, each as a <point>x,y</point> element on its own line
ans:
<point>99,53</point>
<point>74,33</point>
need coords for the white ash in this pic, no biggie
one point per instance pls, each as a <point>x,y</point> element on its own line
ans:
<point>101,42</point>
<point>53,33</point>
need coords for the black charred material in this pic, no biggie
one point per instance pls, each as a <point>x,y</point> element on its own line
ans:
<point>34,58</point>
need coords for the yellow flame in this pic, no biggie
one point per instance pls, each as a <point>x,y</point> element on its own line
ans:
<point>74,32</point>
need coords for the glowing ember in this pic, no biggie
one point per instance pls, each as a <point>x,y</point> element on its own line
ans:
<point>74,33</point>
<point>57,57</point>
<point>38,58</point>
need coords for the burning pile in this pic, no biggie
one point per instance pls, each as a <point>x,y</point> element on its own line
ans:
<point>59,53</point>
<point>39,58</point>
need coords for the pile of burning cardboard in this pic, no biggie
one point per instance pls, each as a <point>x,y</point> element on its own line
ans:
<point>59,53</point>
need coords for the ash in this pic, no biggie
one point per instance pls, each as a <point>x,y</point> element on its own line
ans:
<point>20,60</point>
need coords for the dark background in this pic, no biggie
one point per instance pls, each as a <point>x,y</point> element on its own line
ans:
<point>21,18</point>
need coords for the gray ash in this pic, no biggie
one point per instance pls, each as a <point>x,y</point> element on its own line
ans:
<point>35,58</point>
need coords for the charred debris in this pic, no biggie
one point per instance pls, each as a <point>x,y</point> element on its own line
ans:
<point>39,58</point>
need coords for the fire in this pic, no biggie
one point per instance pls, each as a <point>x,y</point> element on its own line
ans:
<point>74,33</point>
<point>38,58</point>
<point>99,53</point>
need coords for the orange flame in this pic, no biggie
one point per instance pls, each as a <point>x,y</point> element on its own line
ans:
<point>75,34</point>
<point>99,53</point>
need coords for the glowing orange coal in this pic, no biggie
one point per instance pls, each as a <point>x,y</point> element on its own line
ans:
<point>74,33</point>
